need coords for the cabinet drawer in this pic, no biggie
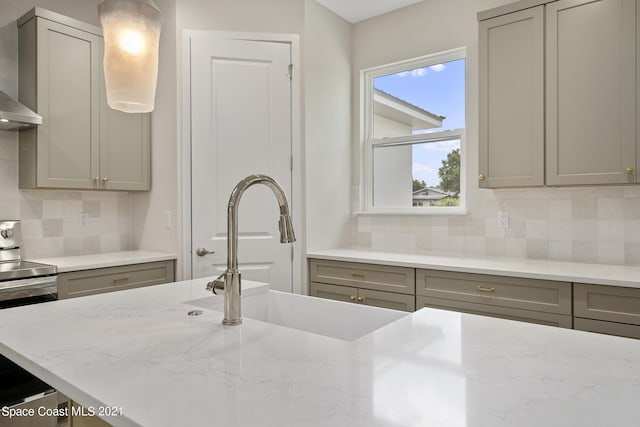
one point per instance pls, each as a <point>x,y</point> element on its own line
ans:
<point>368,276</point>
<point>333,292</point>
<point>541,318</point>
<point>90,282</point>
<point>612,303</point>
<point>610,328</point>
<point>527,294</point>
<point>390,300</point>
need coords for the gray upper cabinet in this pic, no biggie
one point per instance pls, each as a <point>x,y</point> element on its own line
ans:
<point>511,99</point>
<point>591,92</point>
<point>82,143</point>
<point>558,78</point>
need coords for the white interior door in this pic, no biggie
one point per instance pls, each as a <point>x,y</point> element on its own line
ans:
<point>240,125</point>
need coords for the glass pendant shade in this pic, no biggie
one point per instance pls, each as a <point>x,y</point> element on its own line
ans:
<point>131,31</point>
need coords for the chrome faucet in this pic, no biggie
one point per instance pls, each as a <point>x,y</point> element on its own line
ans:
<point>230,279</point>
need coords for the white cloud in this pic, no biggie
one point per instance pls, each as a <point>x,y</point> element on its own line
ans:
<point>418,72</point>
<point>438,67</point>
<point>425,173</point>
<point>442,146</point>
<point>420,167</point>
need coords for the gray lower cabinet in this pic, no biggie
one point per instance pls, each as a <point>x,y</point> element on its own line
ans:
<point>531,300</point>
<point>369,284</point>
<point>101,280</point>
<point>610,310</point>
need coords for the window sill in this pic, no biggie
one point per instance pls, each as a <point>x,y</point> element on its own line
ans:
<point>416,211</point>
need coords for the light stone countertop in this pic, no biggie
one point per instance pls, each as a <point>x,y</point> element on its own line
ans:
<point>600,274</point>
<point>110,259</point>
<point>139,349</point>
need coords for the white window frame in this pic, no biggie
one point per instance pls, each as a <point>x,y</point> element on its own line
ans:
<point>368,142</point>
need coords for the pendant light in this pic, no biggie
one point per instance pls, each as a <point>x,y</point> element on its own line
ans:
<point>131,30</point>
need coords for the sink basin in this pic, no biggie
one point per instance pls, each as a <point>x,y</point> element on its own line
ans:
<point>341,320</point>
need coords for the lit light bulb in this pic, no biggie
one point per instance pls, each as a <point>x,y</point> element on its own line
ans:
<point>131,30</point>
<point>131,42</point>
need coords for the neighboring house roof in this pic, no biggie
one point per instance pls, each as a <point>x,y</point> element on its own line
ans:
<point>428,193</point>
<point>402,111</point>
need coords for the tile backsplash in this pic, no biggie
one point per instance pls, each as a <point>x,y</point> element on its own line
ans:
<point>58,222</point>
<point>578,224</point>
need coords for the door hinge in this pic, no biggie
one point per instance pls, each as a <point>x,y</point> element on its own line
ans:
<point>290,71</point>
<point>291,162</point>
<point>291,252</point>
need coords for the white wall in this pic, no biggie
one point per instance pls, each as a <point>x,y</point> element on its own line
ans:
<point>597,224</point>
<point>327,53</point>
<point>275,16</point>
<point>83,10</point>
<point>150,209</point>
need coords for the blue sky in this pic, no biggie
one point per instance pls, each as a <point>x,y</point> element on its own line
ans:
<point>440,90</point>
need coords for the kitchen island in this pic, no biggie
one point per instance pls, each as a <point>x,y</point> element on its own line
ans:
<point>140,351</point>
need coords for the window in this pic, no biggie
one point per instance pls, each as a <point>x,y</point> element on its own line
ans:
<point>414,119</point>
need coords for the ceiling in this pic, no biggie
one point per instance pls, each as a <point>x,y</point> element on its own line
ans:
<point>359,10</point>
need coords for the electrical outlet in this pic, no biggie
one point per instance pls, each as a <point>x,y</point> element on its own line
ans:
<point>503,219</point>
<point>84,222</point>
<point>347,216</point>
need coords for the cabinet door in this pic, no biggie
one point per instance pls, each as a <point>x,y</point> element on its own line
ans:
<point>68,87</point>
<point>125,149</point>
<point>591,89</point>
<point>511,136</point>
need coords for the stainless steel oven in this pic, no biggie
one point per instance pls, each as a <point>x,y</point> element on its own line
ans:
<point>22,283</point>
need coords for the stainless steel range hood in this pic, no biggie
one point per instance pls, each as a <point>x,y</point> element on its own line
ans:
<point>15,116</point>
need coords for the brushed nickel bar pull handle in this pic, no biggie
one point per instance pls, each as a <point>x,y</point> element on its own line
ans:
<point>357,275</point>
<point>483,289</point>
<point>120,279</point>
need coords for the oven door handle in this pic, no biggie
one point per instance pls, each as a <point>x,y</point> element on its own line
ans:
<point>25,288</point>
